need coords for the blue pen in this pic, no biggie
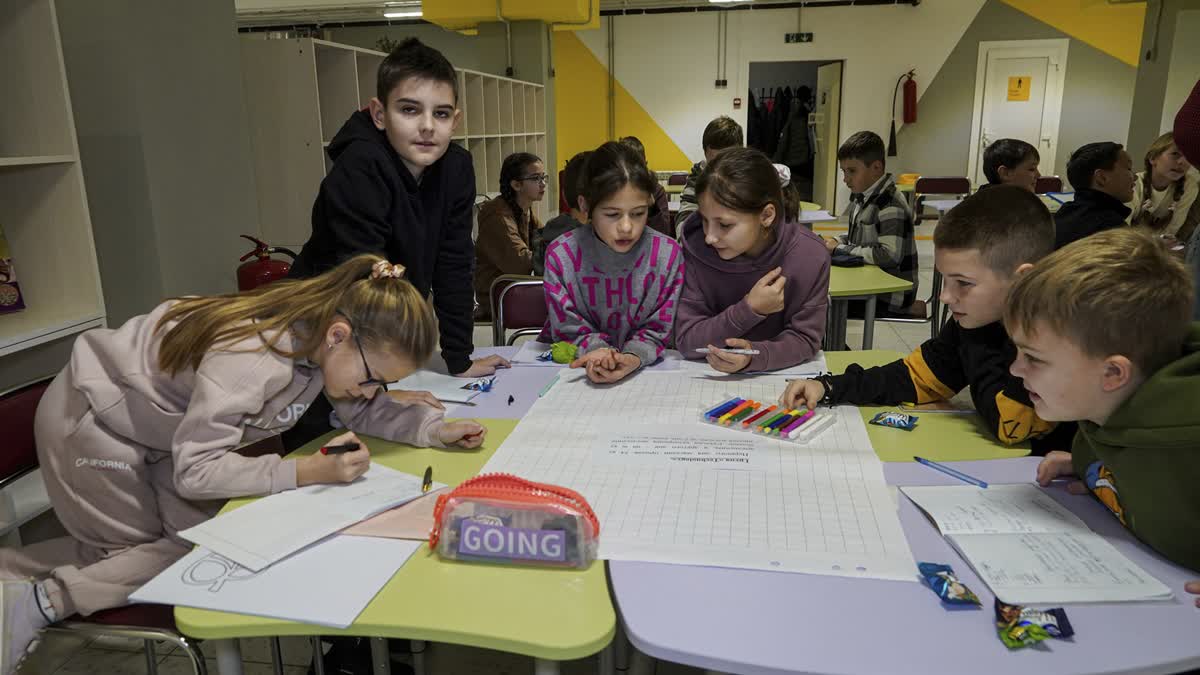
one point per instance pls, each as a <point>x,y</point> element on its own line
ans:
<point>723,408</point>
<point>548,385</point>
<point>951,472</point>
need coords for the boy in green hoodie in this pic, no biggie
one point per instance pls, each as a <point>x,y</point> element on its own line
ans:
<point>1104,336</point>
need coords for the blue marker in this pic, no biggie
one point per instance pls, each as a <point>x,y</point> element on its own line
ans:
<point>723,408</point>
<point>951,472</point>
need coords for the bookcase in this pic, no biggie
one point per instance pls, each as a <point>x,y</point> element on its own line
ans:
<point>43,205</point>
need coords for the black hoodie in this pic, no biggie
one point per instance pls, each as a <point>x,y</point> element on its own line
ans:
<point>370,203</point>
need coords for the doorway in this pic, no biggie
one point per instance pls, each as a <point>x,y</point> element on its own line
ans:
<point>1018,94</point>
<point>780,120</point>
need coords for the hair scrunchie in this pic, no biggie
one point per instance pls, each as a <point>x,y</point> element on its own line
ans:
<point>386,270</point>
<point>785,174</point>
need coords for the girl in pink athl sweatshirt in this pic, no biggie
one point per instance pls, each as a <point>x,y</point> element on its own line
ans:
<point>136,435</point>
<point>612,285</point>
<point>756,281</point>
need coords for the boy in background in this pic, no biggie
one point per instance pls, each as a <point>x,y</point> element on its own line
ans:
<point>1010,161</point>
<point>1102,175</point>
<point>723,132</point>
<point>882,231</point>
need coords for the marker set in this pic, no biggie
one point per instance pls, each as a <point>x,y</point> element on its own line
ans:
<point>742,414</point>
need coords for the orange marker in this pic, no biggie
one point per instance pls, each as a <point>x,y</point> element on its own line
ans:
<point>744,404</point>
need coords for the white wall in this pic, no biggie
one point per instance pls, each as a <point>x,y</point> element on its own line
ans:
<point>1185,65</point>
<point>668,62</point>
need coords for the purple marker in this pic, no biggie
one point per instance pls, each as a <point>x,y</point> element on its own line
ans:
<point>797,422</point>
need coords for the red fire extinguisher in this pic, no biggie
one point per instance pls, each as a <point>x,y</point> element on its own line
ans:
<point>264,269</point>
<point>910,98</point>
<point>910,107</point>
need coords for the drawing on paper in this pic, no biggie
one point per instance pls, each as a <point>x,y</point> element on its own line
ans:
<point>213,570</point>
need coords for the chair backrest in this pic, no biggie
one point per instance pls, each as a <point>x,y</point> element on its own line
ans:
<point>942,185</point>
<point>563,206</point>
<point>521,305</point>
<point>677,179</point>
<point>1046,184</point>
<point>17,409</point>
<point>498,285</point>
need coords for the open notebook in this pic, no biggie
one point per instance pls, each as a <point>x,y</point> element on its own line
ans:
<point>1029,549</point>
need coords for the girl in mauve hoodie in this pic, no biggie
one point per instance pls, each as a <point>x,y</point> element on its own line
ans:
<point>754,280</point>
<point>136,435</point>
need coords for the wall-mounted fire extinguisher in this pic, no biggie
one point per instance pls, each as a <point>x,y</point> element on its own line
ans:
<point>264,269</point>
<point>910,106</point>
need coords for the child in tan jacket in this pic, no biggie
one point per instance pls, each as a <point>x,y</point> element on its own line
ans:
<point>135,435</point>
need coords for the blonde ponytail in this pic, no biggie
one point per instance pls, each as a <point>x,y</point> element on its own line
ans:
<point>383,309</point>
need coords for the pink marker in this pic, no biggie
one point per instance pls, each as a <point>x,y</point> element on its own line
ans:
<point>797,422</point>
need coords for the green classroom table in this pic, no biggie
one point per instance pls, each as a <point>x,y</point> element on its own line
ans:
<point>856,283</point>
<point>942,437</point>
<point>551,615</point>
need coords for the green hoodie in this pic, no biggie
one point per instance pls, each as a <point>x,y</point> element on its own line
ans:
<point>1144,463</point>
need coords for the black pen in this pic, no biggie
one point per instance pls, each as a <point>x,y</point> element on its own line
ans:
<point>339,449</point>
<point>427,481</point>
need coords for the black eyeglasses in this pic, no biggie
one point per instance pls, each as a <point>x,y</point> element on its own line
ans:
<point>539,177</point>
<point>371,380</point>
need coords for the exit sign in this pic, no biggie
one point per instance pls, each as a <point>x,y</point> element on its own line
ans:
<point>797,37</point>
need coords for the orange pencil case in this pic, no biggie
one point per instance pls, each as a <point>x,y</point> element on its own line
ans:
<point>500,518</point>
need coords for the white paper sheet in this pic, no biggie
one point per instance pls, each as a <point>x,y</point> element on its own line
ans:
<point>804,370</point>
<point>1029,549</point>
<point>670,446</point>
<point>820,508</point>
<point>272,528</point>
<point>529,352</point>
<point>444,387</point>
<point>290,589</point>
<point>528,355</point>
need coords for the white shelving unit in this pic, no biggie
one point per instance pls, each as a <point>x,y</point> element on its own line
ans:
<point>43,206</point>
<point>300,92</point>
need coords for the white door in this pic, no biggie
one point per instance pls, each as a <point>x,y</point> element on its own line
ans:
<point>1018,94</point>
<point>825,124</point>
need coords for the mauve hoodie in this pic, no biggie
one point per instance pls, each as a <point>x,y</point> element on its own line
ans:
<point>713,303</point>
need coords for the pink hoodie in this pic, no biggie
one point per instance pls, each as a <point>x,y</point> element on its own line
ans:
<point>241,393</point>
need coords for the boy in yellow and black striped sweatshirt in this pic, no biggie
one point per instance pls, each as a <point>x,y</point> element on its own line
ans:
<point>981,247</point>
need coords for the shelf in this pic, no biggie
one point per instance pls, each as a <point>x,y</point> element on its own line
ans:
<point>35,161</point>
<point>477,148</point>
<point>337,88</point>
<point>35,111</point>
<point>491,106</point>
<point>474,105</point>
<point>368,67</point>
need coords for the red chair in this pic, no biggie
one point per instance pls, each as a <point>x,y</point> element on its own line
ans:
<point>519,305</point>
<point>145,622</point>
<point>1046,184</point>
<point>957,187</point>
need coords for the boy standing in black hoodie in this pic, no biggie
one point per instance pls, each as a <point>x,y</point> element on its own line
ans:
<point>401,189</point>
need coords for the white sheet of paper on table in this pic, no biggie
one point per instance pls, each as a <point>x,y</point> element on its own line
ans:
<point>808,369</point>
<point>820,508</point>
<point>444,387</point>
<point>361,566</point>
<point>1029,549</point>
<point>272,528</point>
<point>529,352</point>
<point>670,446</point>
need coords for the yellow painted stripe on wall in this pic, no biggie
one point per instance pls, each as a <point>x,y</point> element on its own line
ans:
<point>1115,30</point>
<point>581,109</point>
